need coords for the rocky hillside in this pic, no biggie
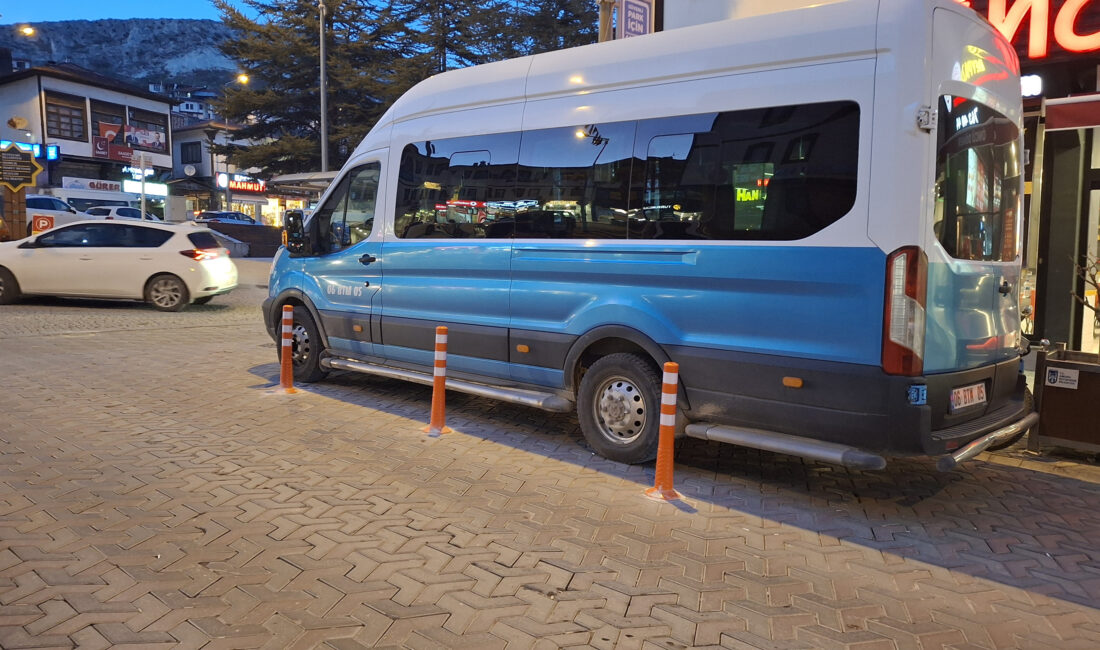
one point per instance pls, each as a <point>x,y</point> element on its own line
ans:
<point>140,50</point>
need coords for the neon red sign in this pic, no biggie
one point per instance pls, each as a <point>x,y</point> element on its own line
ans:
<point>1071,26</point>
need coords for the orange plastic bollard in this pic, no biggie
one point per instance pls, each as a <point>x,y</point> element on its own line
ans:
<point>662,481</point>
<point>439,384</point>
<point>286,354</point>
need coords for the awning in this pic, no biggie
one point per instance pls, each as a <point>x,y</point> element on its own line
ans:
<point>1080,112</point>
<point>305,182</point>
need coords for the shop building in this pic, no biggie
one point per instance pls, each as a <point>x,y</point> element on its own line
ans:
<point>205,180</point>
<point>97,138</point>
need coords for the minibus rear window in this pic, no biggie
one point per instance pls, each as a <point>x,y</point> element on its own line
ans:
<point>977,182</point>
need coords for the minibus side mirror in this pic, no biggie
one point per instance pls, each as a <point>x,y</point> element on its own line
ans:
<point>294,232</point>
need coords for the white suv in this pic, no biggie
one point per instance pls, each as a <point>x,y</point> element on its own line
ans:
<point>54,209</point>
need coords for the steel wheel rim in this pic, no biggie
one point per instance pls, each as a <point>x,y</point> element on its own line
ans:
<point>299,344</point>
<point>621,410</point>
<point>166,293</point>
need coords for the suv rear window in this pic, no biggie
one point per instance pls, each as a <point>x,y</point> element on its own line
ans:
<point>203,240</point>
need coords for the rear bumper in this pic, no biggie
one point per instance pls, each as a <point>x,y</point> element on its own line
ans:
<point>848,404</point>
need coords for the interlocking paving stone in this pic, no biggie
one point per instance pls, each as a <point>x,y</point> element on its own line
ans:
<point>155,493</point>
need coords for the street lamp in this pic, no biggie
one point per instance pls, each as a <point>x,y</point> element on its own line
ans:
<point>324,90</point>
<point>212,134</point>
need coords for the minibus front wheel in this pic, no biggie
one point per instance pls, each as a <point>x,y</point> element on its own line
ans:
<point>306,347</point>
<point>619,408</point>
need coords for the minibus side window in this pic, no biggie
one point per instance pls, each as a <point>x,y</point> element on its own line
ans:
<point>575,181</point>
<point>778,173</point>
<point>458,188</point>
<point>977,182</point>
<point>347,216</point>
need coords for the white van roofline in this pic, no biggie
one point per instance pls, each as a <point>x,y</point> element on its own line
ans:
<point>770,34</point>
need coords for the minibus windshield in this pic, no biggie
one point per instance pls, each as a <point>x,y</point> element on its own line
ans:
<point>977,182</point>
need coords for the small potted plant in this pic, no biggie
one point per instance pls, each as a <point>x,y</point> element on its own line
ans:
<point>1067,382</point>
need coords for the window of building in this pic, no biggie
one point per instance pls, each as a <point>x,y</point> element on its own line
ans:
<point>191,152</point>
<point>147,130</point>
<point>107,121</point>
<point>66,117</point>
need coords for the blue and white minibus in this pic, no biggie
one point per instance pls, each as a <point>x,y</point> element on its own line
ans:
<point>812,207</point>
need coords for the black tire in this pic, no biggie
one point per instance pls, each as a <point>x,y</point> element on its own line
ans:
<point>619,408</point>
<point>166,292</point>
<point>203,300</point>
<point>9,287</point>
<point>1029,399</point>
<point>306,348</point>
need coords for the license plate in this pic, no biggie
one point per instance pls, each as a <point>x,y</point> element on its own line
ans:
<point>966,396</point>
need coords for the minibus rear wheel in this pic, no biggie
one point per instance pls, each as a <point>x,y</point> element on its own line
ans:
<point>306,347</point>
<point>619,408</point>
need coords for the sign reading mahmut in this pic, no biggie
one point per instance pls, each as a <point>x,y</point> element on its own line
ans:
<point>18,168</point>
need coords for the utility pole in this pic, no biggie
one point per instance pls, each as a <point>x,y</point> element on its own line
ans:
<point>606,33</point>
<point>324,90</point>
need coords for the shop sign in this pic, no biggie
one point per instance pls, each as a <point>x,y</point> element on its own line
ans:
<point>18,168</point>
<point>152,189</point>
<point>635,18</point>
<point>71,183</point>
<point>1049,27</point>
<point>102,147</point>
<point>1063,378</point>
<point>242,183</point>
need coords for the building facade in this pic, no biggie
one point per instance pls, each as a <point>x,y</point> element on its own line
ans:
<point>95,134</point>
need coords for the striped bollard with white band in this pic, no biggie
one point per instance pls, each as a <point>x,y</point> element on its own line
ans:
<point>662,481</point>
<point>439,384</point>
<point>286,354</point>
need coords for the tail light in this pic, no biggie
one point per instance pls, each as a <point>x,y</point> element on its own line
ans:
<point>202,254</point>
<point>903,313</point>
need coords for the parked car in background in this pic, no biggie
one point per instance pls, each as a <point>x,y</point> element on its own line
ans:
<point>59,212</point>
<point>120,212</point>
<point>168,266</point>
<point>224,216</point>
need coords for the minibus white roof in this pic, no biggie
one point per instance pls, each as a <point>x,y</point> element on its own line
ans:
<point>760,34</point>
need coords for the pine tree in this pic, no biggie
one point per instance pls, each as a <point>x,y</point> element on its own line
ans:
<point>448,34</point>
<point>279,110</point>
<point>558,24</point>
<point>375,51</point>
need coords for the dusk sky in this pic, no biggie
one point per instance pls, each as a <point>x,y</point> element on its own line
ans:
<point>30,12</point>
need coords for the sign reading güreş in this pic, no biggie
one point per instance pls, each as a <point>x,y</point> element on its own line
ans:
<point>1044,28</point>
<point>634,17</point>
<point>18,168</point>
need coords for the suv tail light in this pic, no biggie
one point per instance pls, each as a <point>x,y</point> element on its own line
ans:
<point>202,254</point>
<point>903,312</point>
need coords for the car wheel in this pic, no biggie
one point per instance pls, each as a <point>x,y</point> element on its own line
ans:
<point>619,408</point>
<point>166,293</point>
<point>9,288</point>
<point>203,300</point>
<point>306,347</point>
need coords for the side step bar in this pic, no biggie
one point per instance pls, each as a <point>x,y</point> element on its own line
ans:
<point>828,452</point>
<point>544,401</point>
